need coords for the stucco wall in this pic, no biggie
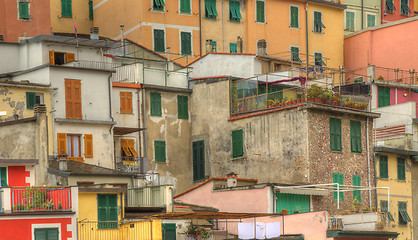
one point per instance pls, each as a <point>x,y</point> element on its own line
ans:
<point>80,14</point>
<point>87,209</point>
<point>364,8</point>
<point>396,15</point>
<point>18,141</point>
<point>9,64</point>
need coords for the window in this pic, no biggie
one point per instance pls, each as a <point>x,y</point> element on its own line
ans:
<point>158,5</point>
<point>357,193</point>
<point>261,47</point>
<point>125,102</point>
<point>46,233</point>
<point>159,148</point>
<point>107,211</point>
<point>405,11</point>
<point>384,208</point>
<point>70,145</point>
<point>185,6</point>
<point>349,21</point>
<point>237,143</point>
<point>403,213</point>
<point>318,59</point>
<point>371,20</point>
<point>210,46</point>
<point>155,104</point>
<point>338,178</point>
<point>73,145</point>
<point>186,43</point>
<point>294,16</point>
<point>128,149</point>
<point>90,9</point>
<point>389,6</point>
<point>73,99</point>
<point>318,25</point>
<point>33,98</point>
<point>260,16</point>
<point>24,10</point>
<point>169,231</point>
<point>3,177</point>
<point>234,11</point>
<point>383,95</point>
<point>355,135</point>
<point>66,10</point>
<point>293,203</point>
<point>159,43</point>
<point>233,47</point>
<point>401,169</point>
<point>210,9</point>
<point>383,167</point>
<point>59,58</point>
<point>295,54</point>
<point>198,160</point>
<point>183,107</point>
<point>335,134</point>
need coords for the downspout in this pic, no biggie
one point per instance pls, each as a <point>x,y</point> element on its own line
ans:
<point>110,113</point>
<point>200,26</point>
<point>172,199</point>
<point>139,121</point>
<point>223,26</point>
<point>375,183</point>
<point>368,162</point>
<point>144,124</point>
<point>307,37</point>
<point>362,13</point>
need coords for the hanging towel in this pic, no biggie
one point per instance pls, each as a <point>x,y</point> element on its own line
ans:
<point>246,230</point>
<point>260,231</point>
<point>273,230</point>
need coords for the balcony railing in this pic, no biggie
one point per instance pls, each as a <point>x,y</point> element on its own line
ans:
<point>32,199</point>
<point>130,164</point>
<point>154,196</point>
<point>366,221</point>
<point>93,65</point>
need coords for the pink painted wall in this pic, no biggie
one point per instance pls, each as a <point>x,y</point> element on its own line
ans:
<point>390,47</point>
<point>17,176</point>
<point>239,201</point>
<point>396,15</point>
<point>401,98</point>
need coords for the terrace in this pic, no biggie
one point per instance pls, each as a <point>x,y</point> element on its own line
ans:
<point>150,197</point>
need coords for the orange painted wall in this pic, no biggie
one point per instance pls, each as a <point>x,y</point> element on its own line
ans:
<point>390,17</point>
<point>12,27</point>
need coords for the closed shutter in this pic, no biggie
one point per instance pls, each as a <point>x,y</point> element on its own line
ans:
<point>77,99</point>
<point>62,143</point>
<point>159,40</point>
<point>260,11</point>
<point>69,57</point>
<point>338,178</point>
<point>237,143</point>
<point>401,169</point>
<point>198,160</point>
<point>52,233</point>
<point>294,16</point>
<point>73,99</point>
<point>169,231</point>
<point>371,20</point>
<point>155,104</point>
<point>125,102</point>
<point>88,145</point>
<point>183,107</point>
<point>233,47</point>
<point>41,234</point>
<point>101,210</point>
<point>3,176</point>
<point>293,203</point>
<point>159,148</point>
<point>30,100</point>
<point>112,210</point>
<point>66,9</point>
<point>355,136</point>
<point>356,193</point>
<point>349,20</point>
<point>383,166</point>
<point>23,10</point>
<point>383,96</point>
<point>335,134</point>
<point>107,210</point>
<point>185,6</point>
<point>186,45</point>
<point>90,9</point>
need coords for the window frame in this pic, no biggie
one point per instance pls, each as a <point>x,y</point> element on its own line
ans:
<point>181,43</point>
<point>355,136</point>
<point>46,227</point>
<point>237,136</point>
<point>154,43</point>
<point>290,17</point>
<point>319,28</point>
<point>367,19</point>
<point>264,12</point>
<point>154,111</point>
<point>258,49</point>
<point>181,10</point>
<point>401,176</point>
<point>335,134</point>
<point>212,44</point>
<point>71,135</point>
<point>235,8</point>
<point>354,21</point>
<point>292,56</point>
<point>160,158</point>
<point>381,163</point>
<point>162,3</point>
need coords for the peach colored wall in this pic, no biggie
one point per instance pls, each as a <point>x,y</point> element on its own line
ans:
<point>254,200</point>
<point>396,15</point>
<point>386,47</point>
<point>12,27</point>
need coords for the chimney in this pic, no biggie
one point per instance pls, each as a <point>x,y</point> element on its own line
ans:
<point>62,165</point>
<point>231,179</point>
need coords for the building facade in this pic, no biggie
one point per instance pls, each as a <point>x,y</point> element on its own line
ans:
<point>361,14</point>
<point>394,10</point>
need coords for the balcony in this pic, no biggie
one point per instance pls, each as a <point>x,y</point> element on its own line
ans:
<point>366,221</point>
<point>381,74</point>
<point>36,199</point>
<point>130,164</point>
<point>93,65</point>
<point>150,197</point>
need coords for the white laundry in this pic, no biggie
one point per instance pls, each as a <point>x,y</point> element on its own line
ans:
<point>260,230</point>
<point>246,230</point>
<point>273,230</point>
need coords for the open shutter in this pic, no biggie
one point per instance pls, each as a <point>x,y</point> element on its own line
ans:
<point>77,99</point>
<point>62,143</point>
<point>69,57</point>
<point>88,145</point>
<point>3,176</point>
<point>131,146</point>
<point>125,147</point>
<point>69,96</point>
<point>52,57</point>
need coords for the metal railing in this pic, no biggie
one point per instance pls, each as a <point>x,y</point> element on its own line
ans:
<point>93,65</point>
<point>154,196</point>
<point>130,164</point>
<point>31,199</point>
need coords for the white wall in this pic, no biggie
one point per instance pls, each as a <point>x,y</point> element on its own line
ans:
<point>40,76</point>
<point>9,60</point>
<point>125,119</point>
<point>395,115</point>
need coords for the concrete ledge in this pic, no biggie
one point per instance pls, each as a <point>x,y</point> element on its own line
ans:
<point>63,120</point>
<point>395,151</point>
<point>329,108</point>
<point>19,161</point>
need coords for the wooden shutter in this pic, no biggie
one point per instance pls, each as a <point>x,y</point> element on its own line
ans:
<point>185,6</point>
<point>30,100</point>
<point>186,45</point>
<point>41,234</point>
<point>159,148</point>
<point>237,143</point>
<point>69,57</point>
<point>357,193</point>
<point>131,146</point>
<point>338,134</point>
<point>355,136</point>
<point>112,210</point>
<point>3,173</point>
<point>335,134</point>
<point>52,57</point>
<point>383,96</point>
<point>69,96</point>
<point>23,10</point>
<point>383,166</point>
<point>159,40</point>
<point>125,147</point>
<point>401,169</point>
<point>198,160</point>
<point>338,178</point>
<point>101,210</point>
<point>371,20</point>
<point>260,11</point>
<point>90,9</point>
<point>155,104</point>
<point>125,102</point>
<point>182,106</point>
<point>62,143</point>
<point>169,231</point>
<point>77,99</point>
<point>294,16</point>
<point>88,145</point>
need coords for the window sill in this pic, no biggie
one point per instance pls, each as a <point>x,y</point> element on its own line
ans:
<point>131,113</point>
<point>402,181</point>
<point>239,158</point>
<point>234,21</point>
<point>357,152</point>
<point>210,18</point>
<point>260,22</point>
<point>158,10</point>
<point>336,151</point>
<point>386,179</point>
<point>295,28</point>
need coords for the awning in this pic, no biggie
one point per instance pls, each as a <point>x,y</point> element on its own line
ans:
<point>303,191</point>
<point>125,130</point>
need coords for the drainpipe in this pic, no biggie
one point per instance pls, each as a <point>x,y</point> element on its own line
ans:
<point>172,199</point>
<point>375,181</point>
<point>223,26</point>
<point>362,13</point>
<point>200,26</point>
<point>307,38</point>
<point>368,162</point>
<point>110,113</point>
<point>139,121</point>
<point>144,124</point>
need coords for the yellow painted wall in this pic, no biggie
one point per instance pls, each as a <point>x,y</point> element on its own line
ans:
<point>87,206</point>
<point>399,191</point>
<point>80,12</point>
<point>215,29</point>
<point>14,102</point>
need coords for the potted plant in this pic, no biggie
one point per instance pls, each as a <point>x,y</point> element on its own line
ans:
<point>380,77</point>
<point>380,226</point>
<point>197,232</point>
<point>284,211</point>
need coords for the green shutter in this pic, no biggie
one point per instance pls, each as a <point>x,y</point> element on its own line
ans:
<point>186,45</point>
<point>403,213</point>
<point>107,211</point>
<point>101,210</point>
<point>349,20</point>
<point>318,25</point>
<point>66,8</point>
<point>371,20</point>
<point>90,9</point>
<point>169,231</point>
<point>23,10</point>
<point>293,203</point>
<point>318,59</point>
<point>338,178</point>
<point>46,233</point>
<point>383,96</point>
<point>260,11</point>
<point>335,134</point>
<point>295,54</point>
<point>155,104</point>
<point>210,9</point>
<point>30,100</point>
<point>234,11</point>
<point>355,136</point>
<point>233,47</point>
<point>185,6</point>
<point>389,6</point>
<point>159,148</point>
<point>183,107</point>
<point>158,5</point>
<point>3,175</point>
<point>356,193</point>
<point>294,16</point>
<point>383,167</point>
<point>237,143</point>
<point>159,45</point>
<point>401,169</point>
<point>405,8</point>
<point>198,160</point>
